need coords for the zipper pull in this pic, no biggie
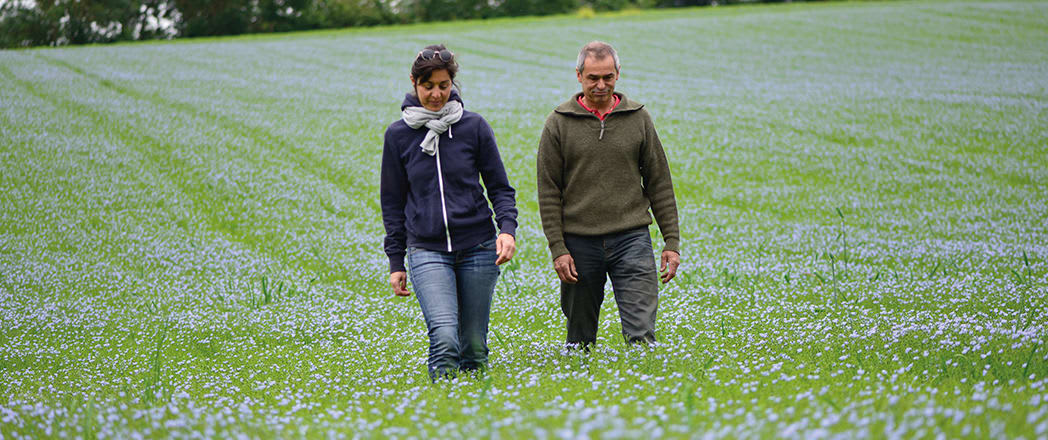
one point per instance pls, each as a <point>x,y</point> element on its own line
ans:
<point>601,137</point>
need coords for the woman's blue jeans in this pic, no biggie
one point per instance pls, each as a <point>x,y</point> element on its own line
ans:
<point>455,290</point>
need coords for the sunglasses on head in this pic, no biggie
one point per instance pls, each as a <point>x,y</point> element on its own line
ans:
<point>428,54</point>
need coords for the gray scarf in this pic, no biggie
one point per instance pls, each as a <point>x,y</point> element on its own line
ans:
<point>437,122</point>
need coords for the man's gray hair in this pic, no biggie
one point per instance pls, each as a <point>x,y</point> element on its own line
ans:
<point>598,50</point>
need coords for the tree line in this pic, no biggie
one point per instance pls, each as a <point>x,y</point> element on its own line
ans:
<point>25,23</point>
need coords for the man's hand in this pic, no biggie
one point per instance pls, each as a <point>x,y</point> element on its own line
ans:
<point>670,261</point>
<point>399,281</point>
<point>565,267</point>
<point>505,246</point>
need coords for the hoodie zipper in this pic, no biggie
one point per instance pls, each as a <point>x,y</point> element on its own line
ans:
<point>601,137</point>
<point>443,204</point>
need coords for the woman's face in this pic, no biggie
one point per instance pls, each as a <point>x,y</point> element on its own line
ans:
<point>435,91</point>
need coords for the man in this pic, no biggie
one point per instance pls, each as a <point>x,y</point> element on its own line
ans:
<point>600,168</point>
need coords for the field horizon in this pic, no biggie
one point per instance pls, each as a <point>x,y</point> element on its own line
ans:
<point>191,236</point>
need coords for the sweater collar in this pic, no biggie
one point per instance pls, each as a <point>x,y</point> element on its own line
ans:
<point>572,107</point>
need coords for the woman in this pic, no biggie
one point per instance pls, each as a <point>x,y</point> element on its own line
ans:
<point>436,215</point>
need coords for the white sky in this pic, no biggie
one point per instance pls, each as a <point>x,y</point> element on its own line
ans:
<point>29,3</point>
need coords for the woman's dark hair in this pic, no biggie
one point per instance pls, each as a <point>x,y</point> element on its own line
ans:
<point>422,69</point>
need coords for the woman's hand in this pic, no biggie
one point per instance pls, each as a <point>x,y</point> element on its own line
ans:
<point>505,246</point>
<point>399,281</point>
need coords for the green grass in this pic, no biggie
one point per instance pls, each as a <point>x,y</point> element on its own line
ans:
<point>190,234</point>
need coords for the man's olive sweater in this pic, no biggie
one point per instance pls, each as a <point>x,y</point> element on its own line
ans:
<point>600,177</point>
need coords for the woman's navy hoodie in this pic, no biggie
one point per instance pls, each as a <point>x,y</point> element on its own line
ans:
<point>411,199</point>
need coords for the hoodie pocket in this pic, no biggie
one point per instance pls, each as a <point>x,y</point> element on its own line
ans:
<point>426,220</point>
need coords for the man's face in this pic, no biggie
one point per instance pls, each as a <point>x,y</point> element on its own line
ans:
<point>598,80</point>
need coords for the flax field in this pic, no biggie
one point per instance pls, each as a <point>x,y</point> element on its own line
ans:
<point>191,238</point>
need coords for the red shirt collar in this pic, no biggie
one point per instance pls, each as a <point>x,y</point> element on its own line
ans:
<point>596,112</point>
